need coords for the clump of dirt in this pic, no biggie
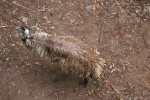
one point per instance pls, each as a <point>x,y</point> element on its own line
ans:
<point>116,28</point>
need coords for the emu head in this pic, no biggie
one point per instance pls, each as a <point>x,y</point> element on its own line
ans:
<point>25,32</point>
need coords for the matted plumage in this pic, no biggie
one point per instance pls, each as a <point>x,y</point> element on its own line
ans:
<point>72,54</point>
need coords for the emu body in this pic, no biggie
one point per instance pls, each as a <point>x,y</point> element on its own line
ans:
<point>72,54</point>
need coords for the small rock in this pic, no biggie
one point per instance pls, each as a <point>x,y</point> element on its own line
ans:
<point>24,19</point>
<point>72,21</point>
<point>148,66</point>
<point>35,97</point>
<point>148,8</point>
<point>13,44</point>
<point>52,27</point>
<point>7,58</point>
<point>37,63</point>
<point>89,7</point>
<point>19,91</point>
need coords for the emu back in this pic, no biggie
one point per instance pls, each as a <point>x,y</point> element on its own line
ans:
<point>73,55</point>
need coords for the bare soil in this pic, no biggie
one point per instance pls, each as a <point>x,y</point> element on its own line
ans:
<point>119,29</point>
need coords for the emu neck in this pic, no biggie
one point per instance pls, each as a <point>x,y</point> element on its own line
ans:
<point>24,37</point>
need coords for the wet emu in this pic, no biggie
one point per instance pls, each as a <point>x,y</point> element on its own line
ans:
<point>72,54</point>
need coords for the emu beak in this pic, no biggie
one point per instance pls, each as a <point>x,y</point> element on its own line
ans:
<point>19,29</point>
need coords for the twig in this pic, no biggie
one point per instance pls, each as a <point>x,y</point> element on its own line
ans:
<point>5,18</point>
<point>8,95</point>
<point>5,27</point>
<point>19,5</point>
<point>119,95</point>
<point>101,35</point>
<point>145,85</point>
<point>56,92</point>
<point>14,16</point>
<point>117,92</point>
<point>143,37</point>
<point>142,83</point>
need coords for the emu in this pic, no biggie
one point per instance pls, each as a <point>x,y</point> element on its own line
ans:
<point>72,54</point>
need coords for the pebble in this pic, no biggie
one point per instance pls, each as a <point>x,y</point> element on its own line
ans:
<point>89,7</point>
<point>148,66</point>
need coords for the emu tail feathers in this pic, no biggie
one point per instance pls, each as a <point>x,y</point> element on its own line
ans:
<point>98,68</point>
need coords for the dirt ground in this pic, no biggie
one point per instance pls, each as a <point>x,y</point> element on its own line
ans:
<point>119,29</point>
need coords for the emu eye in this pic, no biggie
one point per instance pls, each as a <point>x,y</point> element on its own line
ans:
<point>23,28</point>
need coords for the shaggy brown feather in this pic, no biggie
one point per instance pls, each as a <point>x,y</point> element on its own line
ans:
<point>73,55</point>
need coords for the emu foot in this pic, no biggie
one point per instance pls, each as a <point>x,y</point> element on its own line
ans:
<point>84,82</point>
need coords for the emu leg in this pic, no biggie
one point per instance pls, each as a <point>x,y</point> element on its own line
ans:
<point>84,81</point>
